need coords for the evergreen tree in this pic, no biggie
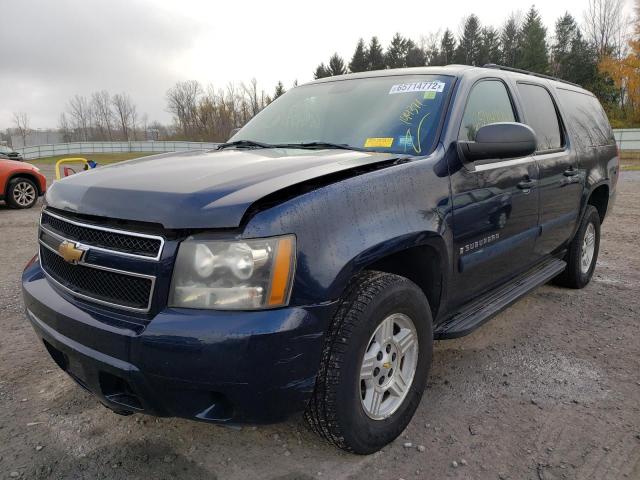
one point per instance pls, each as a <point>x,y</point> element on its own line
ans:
<point>336,65</point>
<point>533,51</point>
<point>447,48</point>
<point>510,42</point>
<point>375,57</point>
<point>279,90</point>
<point>468,51</point>
<point>396,54</point>
<point>489,46</point>
<point>415,56</point>
<point>565,33</point>
<point>321,72</point>
<point>581,67</point>
<point>359,61</point>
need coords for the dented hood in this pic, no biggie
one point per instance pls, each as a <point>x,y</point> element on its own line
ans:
<point>197,189</point>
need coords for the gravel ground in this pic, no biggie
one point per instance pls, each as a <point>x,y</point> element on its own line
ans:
<point>549,389</point>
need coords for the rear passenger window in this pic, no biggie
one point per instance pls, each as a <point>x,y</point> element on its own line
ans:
<point>586,117</point>
<point>540,113</point>
<point>488,102</point>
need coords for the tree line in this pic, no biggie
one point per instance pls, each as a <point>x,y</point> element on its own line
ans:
<point>588,54</point>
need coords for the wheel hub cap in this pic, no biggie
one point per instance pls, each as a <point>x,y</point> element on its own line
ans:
<point>388,366</point>
<point>588,248</point>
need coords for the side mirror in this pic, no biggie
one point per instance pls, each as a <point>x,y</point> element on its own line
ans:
<point>500,140</point>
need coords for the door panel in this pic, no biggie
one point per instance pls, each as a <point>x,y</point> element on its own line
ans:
<point>560,189</point>
<point>493,236</point>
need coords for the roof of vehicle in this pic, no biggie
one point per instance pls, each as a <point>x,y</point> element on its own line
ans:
<point>460,71</point>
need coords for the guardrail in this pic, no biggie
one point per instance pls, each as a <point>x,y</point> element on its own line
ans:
<point>39,151</point>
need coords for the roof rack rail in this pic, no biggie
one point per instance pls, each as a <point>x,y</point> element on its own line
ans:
<point>527,72</point>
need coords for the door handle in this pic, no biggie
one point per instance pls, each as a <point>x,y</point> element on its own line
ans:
<point>526,184</point>
<point>570,172</point>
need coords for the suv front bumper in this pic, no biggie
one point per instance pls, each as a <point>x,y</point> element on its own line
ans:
<point>203,365</point>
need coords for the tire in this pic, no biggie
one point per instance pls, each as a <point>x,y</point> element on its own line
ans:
<point>22,193</point>
<point>577,274</point>
<point>337,410</point>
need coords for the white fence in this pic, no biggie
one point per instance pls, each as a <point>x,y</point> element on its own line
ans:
<point>39,151</point>
<point>627,138</point>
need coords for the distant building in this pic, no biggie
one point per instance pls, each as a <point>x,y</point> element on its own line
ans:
<point>37,137</point>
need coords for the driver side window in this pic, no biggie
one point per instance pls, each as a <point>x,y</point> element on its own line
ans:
<point>488,102</point>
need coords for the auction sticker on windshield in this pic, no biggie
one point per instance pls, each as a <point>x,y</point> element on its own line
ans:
<point>385,142</point>
<point>434,86</point>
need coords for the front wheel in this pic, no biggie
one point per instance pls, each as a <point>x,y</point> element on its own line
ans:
<point>375,364</point>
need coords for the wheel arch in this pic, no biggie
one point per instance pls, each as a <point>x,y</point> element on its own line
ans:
<point>26,175</point>
<point>599,198</point>
<point>420,257</point>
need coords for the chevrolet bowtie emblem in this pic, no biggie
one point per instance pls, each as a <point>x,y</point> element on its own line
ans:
<point>387,365</point>
<point>69,252</point>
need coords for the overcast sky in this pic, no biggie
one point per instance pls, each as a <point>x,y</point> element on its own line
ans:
<point>50,50</point>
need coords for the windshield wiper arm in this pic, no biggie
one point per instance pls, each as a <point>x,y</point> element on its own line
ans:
<point>341,146</point>
<point>244,143</point>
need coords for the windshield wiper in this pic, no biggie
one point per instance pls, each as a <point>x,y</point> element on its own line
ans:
<point>244,143</point>
<point>341,146</point>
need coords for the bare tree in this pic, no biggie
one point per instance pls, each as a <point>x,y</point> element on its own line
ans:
<point>102,113</point>
<point>605,26</point>
<point>21,121</point>
<point>182,102</point>
<point>125,112</point>
<point>80,112</point>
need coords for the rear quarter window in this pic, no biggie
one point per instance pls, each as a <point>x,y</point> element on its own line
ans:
<point>586,118</point>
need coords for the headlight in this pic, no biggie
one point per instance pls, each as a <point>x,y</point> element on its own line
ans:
<point>233,275</point>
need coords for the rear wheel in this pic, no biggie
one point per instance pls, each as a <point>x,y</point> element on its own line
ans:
<point>22,193</point>
<point>582,255</point>
<point>374,365</point>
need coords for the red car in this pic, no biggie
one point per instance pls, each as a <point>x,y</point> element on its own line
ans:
<point>21,183</point>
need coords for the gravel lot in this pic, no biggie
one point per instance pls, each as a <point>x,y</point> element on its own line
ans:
<point>549,389</point>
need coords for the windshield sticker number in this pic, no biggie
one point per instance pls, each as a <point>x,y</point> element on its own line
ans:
<point>384,142</point>
<point>417,87</point>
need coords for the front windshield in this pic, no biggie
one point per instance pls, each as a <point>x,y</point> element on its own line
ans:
<point>397,114</point>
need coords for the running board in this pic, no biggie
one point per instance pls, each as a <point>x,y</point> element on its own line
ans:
<point>484,308</point>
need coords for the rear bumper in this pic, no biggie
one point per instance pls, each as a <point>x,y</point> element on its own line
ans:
<point>203,365</point>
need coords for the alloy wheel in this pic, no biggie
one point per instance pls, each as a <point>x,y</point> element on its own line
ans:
<point>24,194</point>
<point>388,366</point>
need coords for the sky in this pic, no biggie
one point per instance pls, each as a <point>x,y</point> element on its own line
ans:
<point>52,50</point>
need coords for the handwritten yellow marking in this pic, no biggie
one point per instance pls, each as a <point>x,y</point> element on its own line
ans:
<point>409,138</point>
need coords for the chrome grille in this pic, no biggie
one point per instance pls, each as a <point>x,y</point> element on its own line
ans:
<point>127,243</point>
<point>96,284</point>
<point>99,283</point>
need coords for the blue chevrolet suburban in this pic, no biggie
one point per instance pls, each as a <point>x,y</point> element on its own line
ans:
<point>308,264</point>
